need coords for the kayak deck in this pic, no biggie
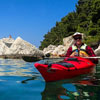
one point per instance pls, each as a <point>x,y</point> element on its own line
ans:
<point>69,68</point>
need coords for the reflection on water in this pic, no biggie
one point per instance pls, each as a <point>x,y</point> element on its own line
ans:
<point>80,90</point>
<point>87,88</point>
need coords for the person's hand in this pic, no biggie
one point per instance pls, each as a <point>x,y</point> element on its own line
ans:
<point>74,54</point>
<point>83,55</point>
<point>62,55</point>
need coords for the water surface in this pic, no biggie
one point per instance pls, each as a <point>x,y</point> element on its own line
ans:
<point>20,80</point>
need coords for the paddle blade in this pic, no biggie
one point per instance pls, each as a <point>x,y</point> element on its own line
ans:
<point>31,59</point>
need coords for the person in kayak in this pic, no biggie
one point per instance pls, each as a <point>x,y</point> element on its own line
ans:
<point>80,49</point>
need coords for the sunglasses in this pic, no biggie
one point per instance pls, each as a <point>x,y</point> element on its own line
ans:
<point>79,37</point>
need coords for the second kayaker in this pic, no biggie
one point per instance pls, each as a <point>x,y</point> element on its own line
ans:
<point>80,49</point>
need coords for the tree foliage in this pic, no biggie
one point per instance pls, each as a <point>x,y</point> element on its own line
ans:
<point>85,19</point>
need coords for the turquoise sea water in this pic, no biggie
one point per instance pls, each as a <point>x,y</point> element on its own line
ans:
<point>20,80</point>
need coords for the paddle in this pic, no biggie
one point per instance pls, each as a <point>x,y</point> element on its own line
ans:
<point>35,59</point>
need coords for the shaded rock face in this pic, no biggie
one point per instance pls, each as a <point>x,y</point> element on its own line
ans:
<point>7,41</point>
<point>95,45</point>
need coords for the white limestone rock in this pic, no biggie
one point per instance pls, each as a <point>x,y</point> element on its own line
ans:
<point>68,41</point>
<point>60,50</point>
<point>97,51</point>
<point>7,41</point>
<point>49,49</point>
<point>3,48</point>
<point>21,46</point>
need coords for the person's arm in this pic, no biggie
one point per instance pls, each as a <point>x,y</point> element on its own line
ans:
<point>69,52</point>
<point>91,54</point>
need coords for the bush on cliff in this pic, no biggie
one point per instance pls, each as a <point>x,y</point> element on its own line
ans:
<point>85,19</point>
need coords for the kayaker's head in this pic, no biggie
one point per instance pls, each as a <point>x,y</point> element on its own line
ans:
<point>78,38</point>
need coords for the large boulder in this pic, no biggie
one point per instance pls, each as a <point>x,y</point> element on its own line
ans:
<point>60,50</point>
<point>22,47</point>
<point>68,41</point>
<point>97,51</point>
<point>49,49</point>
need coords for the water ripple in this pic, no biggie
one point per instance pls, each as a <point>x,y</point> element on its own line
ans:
<point>15,67</point>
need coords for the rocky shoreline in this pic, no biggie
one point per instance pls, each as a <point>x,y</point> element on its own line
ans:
<point>62,49</point>
<point>16,49</point>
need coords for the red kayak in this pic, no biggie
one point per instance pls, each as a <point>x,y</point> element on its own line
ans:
<point>69,68</point>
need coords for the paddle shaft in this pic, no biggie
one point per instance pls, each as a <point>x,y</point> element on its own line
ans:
<point>92,57</point>
<point>35,59</point>
<point>65,57</point>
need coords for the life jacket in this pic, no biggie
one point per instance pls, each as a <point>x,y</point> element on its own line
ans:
<point>79,52</point>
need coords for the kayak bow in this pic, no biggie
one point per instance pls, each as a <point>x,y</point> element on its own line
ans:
<point>69,68</point>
